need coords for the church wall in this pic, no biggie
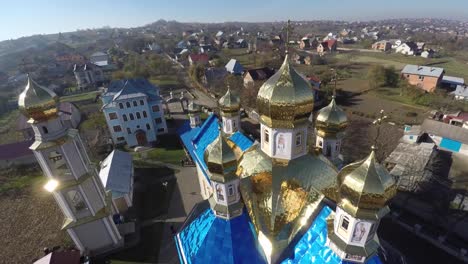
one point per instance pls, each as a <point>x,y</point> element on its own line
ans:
<point>92,195</point>
<point>94,235</point>
<point>71,154</point>
<point>282,142</point>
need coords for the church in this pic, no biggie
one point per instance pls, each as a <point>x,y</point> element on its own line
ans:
<point>288,198</point>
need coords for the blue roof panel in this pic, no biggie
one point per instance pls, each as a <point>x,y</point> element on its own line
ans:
<point>209,239</point>
<point>311,249</point>
<point>450,144</point>
<point>241,140</point>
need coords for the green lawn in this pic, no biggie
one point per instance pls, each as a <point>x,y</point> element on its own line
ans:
<point>165,80</point>
<point>79,97</point>
<point>168,150</point>
<point>20,182</point>
<point>246,59</point>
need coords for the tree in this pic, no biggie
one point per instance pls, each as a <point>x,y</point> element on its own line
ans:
<point>380,76</point>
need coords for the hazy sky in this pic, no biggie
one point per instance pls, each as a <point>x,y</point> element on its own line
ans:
<point>26,17</point>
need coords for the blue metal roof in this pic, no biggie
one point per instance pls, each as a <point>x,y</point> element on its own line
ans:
<point>241,140</point>
<point>209,239</point>
<point>197,139</point>
<point>311,248</point>
<point>132,86</point>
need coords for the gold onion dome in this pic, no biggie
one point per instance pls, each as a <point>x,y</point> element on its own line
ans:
<point>365,188</point>
<point>37,102</point>
<point>285,99</point>
<point>229,102</point>
<point>194,107</point>
<point>220,160</point>
<point>331,118</point>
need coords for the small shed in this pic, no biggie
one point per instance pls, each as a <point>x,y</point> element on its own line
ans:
<point>116,175</point>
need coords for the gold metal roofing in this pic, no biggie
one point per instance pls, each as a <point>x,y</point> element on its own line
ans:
<point>229,102</point>
<point>285,99</point>
<point>365,187</point>
<point>220,160</point>
<point>280,197</point>
<point>331,118</point>
<point>37,102</point>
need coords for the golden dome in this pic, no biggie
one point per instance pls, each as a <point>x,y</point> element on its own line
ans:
<point>331,118</point>
<point>37,102</point>
<point>220,160</point>
<point>365,188</point>
<point>285,99</point>
<point>194,107</point>
<point>229,102</point>
<point>280,197</point>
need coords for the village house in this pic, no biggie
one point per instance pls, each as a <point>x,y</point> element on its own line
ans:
<point>241,44</point>
<point>99,58</point>
<point>458,118</point>
<point>395,43</point>
<point>255,75</point>
<point>407,48</point>
<point>88,76</point>
<point>445,136</point>
<point>428,53</point>
<point>461,92</point>
<point>382,45</point>
<point>234,67</point>
<point>307,43</point>
<point>201,59</point>
<point>327,46</point>
<point>69,58</point>
<point>207,49</point>
<point>423,77</point>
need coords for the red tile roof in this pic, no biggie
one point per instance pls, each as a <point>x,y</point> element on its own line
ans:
<point>199,57</point>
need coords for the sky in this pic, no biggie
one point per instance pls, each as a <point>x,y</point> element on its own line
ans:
<point>27,17</point>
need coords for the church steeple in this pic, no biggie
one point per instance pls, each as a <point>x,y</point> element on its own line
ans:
<point>221,162</point>
<point>330,125</point>
<point>285,101</point>
<point>229,105</point>
<point>364,189</point>
<point>73,181</point>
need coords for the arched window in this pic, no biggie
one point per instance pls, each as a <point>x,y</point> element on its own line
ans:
<point>128,104</point>
<point>132,117</point>
<point>135,103</point>
<point>124,117</point>
<point>144,114</point>
<point>121,105</point>
<point>148,127</point>
<point>45,130</point>
<point>76,201</point>
<point>138,115</point>
<point>142,102</point>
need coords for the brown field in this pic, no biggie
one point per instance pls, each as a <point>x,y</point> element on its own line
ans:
<point>30,220</point>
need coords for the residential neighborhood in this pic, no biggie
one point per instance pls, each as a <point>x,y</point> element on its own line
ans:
<point>160,142</point>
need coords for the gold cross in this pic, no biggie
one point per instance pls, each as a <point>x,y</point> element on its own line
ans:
<point>378,123</point>
<point>288,31</point>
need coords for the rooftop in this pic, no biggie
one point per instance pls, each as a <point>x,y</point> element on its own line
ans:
<point>116,172</point>
<point>445,130</point>
<point>423,70</point>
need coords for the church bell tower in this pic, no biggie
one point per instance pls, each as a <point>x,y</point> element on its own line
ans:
<point>72,179</point>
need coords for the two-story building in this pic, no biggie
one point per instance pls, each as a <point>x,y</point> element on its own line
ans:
<point>424,77</point>
<point>134,112</point>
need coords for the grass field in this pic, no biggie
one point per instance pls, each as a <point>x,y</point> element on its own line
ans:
<point>165,80</point>
<point>20,182</point>
<point>168,150</point>
<point>246,59</point>
<point>79,97</point>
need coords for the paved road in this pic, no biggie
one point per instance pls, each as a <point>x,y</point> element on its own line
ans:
<point>185,196</point>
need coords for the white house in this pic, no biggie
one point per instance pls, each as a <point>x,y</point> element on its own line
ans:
<point>116,175</point>
<point>134,112</point>
<point>407,48</point>
<point>461,92</point>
